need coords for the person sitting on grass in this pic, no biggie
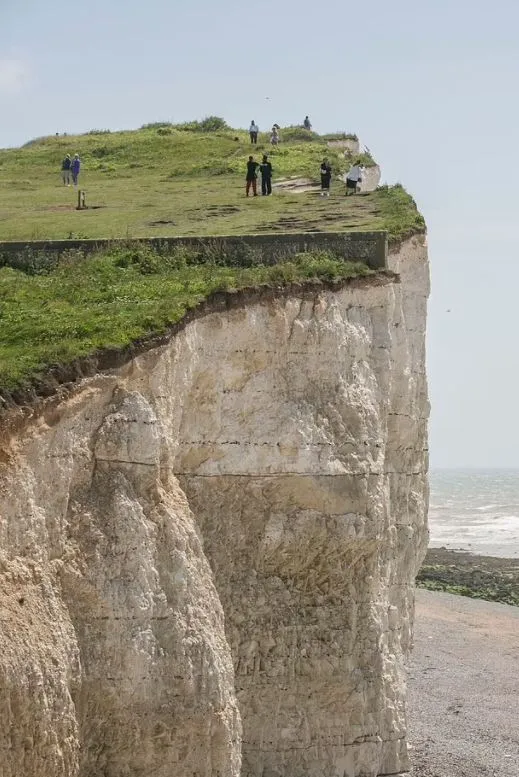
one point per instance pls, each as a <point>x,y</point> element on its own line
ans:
<point>326,177</point>
<point>252,175</point>
<point>354,178</point>
<point>65,170</point>
<point>266,176</point>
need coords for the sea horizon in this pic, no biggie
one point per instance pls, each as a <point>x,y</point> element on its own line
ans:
<point>475,509</point>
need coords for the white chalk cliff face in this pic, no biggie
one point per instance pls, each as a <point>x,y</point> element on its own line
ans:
<point>207,556</point>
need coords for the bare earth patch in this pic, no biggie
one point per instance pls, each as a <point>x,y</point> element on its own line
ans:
<point>57,208</point>
<point>296,185</point>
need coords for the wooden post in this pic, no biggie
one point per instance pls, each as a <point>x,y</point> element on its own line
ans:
<point>79,199</point>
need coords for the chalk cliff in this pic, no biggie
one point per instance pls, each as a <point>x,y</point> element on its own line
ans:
<point>207,555</point>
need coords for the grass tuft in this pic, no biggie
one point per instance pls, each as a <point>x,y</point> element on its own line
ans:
<point>54,315</point>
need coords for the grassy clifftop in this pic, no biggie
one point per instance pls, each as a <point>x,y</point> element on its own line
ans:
<point>157,181</point>
<point>163,180</point>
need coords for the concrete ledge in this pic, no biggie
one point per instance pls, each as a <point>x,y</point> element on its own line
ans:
<point>368,247</point>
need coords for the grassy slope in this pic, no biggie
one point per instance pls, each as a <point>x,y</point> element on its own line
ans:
<point>118,296</point>
<point>185,183</point>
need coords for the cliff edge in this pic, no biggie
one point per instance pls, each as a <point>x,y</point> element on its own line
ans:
<point>208,554</point>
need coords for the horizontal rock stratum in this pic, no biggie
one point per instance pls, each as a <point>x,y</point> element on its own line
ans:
<point>208,554</point>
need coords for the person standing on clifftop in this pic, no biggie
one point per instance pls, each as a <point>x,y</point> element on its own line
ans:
<point>253,132</point>
<point>306,124</point>
<point>266,176</point>
<point>326,177</point>
<point>75,167</point>
<point>252,176</point>
<point>65,170</point>
<point>354,178</point>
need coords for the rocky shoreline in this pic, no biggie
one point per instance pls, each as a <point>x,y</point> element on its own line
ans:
<point>466,574</point>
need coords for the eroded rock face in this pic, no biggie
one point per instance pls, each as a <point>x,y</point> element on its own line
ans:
<point>122,630</point>
<point>223,535</point>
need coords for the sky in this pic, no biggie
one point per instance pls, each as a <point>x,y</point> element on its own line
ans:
<point>430,88</point>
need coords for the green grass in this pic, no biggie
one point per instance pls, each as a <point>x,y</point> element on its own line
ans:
<point>164,180</point>
<point>115,297</point>
<point>159,181</point>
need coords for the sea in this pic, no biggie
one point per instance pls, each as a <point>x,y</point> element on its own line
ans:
<point>475,510</point>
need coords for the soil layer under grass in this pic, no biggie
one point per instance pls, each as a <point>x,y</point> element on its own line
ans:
<point>465,574</point>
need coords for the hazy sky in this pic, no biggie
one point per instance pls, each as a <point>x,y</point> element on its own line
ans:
<point>431,88</point>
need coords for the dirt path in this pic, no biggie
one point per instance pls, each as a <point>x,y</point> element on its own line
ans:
<point>464,688</point>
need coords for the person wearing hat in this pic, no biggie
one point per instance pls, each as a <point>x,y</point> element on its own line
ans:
<point>76,167</point>
<point>65,170</point>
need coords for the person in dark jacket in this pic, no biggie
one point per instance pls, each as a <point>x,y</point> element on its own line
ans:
<point>326,177</point>
<point>306,124</point>
<point>75,167</point>
<point>65,170</point>
<point>266,176</point>
<point>252,176</point>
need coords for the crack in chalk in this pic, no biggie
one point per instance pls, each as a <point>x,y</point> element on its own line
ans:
<point>98,459</point>
<point>312,474</point>
<point>296,318</point>
<point>250,475</point>
<point>251,443</point>
<point>355,743</point>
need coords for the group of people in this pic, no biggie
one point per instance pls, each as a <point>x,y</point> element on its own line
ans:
<point>353,178</point>
<point>274,132</point>
<point>70,170</point>
<point>265,169</point>
<point>254,132</point>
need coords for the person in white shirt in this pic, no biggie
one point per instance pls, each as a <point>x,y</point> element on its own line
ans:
<point>253,132</point>
<point>354,178</point>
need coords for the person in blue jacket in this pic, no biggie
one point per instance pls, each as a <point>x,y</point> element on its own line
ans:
<point>76,167</point>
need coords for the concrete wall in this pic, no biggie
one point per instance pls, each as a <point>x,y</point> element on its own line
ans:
<point>368,247</point>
